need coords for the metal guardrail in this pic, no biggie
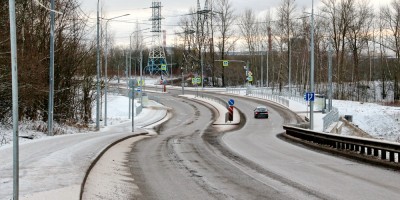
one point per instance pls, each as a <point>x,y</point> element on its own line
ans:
<point>139,109</point>
<point>283,99</point>
<point>261,93</point>
<point>331,117</point>
<point>218,100</point>
<point>124,91</point>
<point>384,151</point>
<point>234,90</point>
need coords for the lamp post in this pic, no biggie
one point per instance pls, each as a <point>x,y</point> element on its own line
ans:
<point>262,66</point>
<point>129,72</point>
<point>105,70</point>
<point>312,67</point>
<point>330,75</point>
<point>14,72</point>
<point>51,92</point>
<point>98,71</point>
<point>141,77</point>
<point>267,67</point>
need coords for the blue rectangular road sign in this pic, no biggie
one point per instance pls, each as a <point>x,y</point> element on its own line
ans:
<point>309,96</point>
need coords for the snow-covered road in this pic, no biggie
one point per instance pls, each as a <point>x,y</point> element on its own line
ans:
<point>59,164</point>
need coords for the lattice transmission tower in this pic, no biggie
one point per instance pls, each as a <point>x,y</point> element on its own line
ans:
<point>202,17</point>
<point>157,63</point>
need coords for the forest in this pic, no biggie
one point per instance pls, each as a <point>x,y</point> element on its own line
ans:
<point>364,43</point>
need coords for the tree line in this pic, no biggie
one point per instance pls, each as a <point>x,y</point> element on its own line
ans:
<point>364,40</point>
<point>74,69</point>
<point>276,47</point>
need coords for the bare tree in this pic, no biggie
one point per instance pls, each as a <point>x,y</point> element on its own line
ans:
<point>266,42</point>
<point>188,30</point>
<point>391,17</point>
<point>339,13</point>
<point>5,71</point>
<point>249,31</point>
<point>286,13</point>
<point>71,55</point>
<point>358,37</point>
<point>225,41</point>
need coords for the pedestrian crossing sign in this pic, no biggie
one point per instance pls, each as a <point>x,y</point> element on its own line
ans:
<point>225,63</point>
<point>163,67</point>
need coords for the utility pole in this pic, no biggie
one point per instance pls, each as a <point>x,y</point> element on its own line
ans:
<point>141,77</point>
<point>183,82</point>
<point>312,68</point>
<point>98,71</point>
<point>51,84</point>
<point>262,66</point>
<point>247,72</point>
<point>14,74</point>
<point>267,68</point>
<point>202,16</point>
<point>330,75</point>
<point>105,68</point>
<point>128,77</point>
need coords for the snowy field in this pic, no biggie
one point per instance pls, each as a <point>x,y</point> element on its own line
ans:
<point>379,121</point>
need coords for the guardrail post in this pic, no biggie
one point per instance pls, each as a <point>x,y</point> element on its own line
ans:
<point>362,150</point>
<point>391,156</point>
<point>334,144</point>
<point>383,154</point>
<point>369,151</point>
<point>358,148</point>
<point>376,153</point>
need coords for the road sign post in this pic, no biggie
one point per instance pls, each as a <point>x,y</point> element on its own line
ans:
<point>230,111</point>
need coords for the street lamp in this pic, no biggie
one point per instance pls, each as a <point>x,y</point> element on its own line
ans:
<point>105,70</point>
<point>262,66</point>
<point>14,75</point>
<point>51,84</point>
<point>312,67</point>
<point>129,69</point>
<point>98,71</point>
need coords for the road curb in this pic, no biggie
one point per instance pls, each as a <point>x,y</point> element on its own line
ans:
<point>98,158</point>
<point>220,108</point>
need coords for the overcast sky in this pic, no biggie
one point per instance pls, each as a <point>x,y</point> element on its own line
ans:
<point>140,11</point>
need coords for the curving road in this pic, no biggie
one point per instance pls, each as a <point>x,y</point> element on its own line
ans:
<point>190,159</point>
<point>321,175</point>
<point>54,167</point>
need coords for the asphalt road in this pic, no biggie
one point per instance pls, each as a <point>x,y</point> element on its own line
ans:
<point>57,165</point>
<point>189,159</point>
<point>312,174</point>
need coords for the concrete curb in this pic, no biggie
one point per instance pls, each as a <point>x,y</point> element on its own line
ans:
<point>145,130</point>
<point>98,158</point>
<point>222,110</point>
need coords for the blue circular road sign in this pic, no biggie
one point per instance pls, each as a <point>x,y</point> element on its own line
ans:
<point>231,102</point>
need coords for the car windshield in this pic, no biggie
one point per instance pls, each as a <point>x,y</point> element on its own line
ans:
<point>261,109</point>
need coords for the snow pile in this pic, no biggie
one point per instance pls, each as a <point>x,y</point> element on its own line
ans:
<point>379,121</point>
<point>117,112</point>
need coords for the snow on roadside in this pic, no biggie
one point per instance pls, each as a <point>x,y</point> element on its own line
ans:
<point>117,112</point>
<point>379,121</point>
